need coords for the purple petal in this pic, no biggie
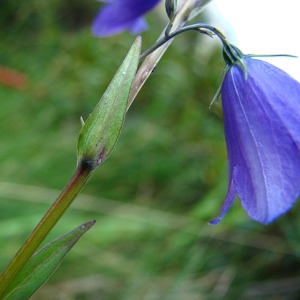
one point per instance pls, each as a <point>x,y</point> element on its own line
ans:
<point>119,15</point>
<point>262,129</point>
<point>138,26</point>
<point>228,201</point>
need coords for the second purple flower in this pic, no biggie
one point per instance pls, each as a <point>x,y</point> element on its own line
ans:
<point>120,15</point>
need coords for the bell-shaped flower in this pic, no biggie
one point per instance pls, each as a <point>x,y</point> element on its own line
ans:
<point>261,106</point>
<point>120,15</point>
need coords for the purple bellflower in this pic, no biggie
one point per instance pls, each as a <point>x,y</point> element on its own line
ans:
<point>261,106</point>
<point>120,15</point>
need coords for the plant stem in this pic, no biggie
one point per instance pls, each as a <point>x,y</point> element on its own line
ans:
<point>54,213</point>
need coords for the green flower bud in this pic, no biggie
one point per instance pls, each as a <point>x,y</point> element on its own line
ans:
<point>100,132</point>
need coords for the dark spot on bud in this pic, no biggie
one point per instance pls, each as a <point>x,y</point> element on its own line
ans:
<point>87,164</point>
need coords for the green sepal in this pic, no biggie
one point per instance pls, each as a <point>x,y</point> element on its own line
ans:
<point>43,264</point>
<point>101,130</point>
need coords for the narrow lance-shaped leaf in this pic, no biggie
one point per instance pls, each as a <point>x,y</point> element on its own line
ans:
<point>102,129</point>
<point>43,263</point>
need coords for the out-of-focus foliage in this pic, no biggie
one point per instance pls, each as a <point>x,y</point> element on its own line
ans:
<point>164,181</point>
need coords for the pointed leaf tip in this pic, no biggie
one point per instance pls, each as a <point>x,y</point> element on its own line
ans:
<point>43,263</point>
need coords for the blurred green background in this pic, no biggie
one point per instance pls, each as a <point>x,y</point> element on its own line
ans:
<point>154,196</point>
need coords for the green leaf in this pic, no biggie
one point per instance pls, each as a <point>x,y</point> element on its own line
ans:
<point>43,263</point>
<point>100,132</point>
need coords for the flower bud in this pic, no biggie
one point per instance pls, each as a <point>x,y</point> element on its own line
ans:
<point>100,132</point>
<point>171,8</point>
